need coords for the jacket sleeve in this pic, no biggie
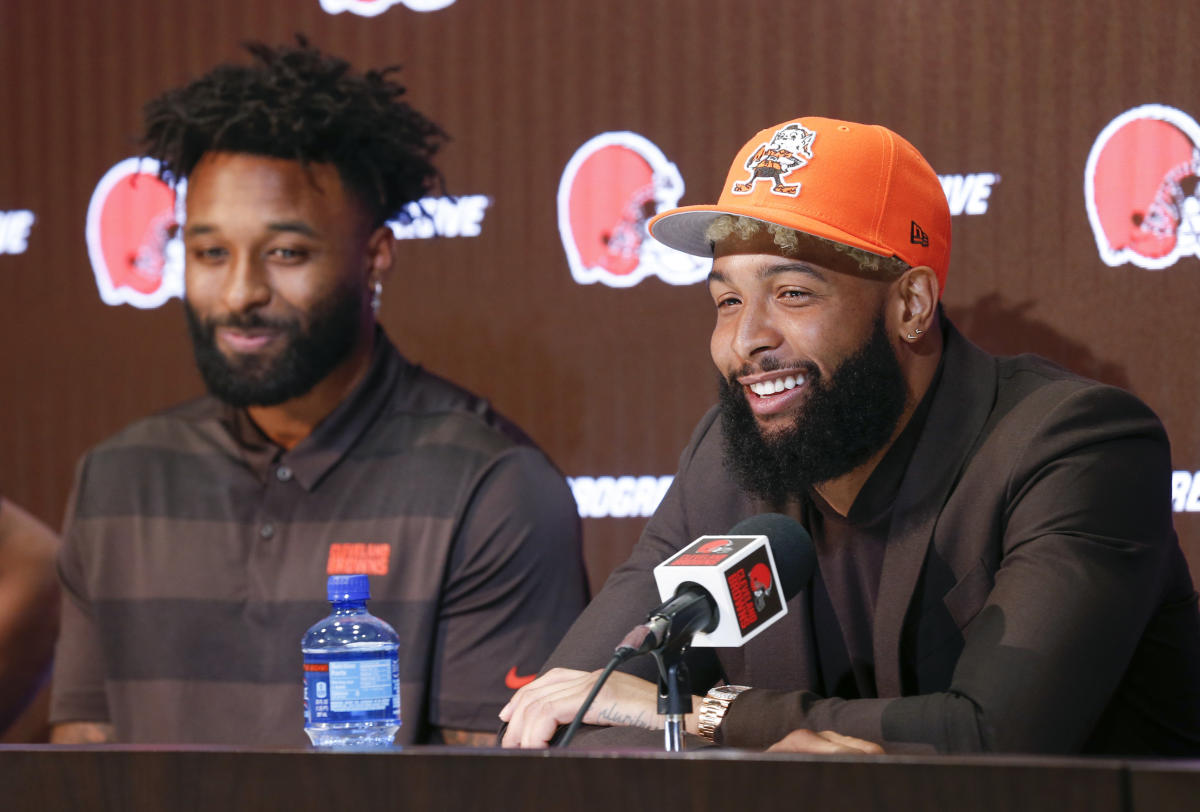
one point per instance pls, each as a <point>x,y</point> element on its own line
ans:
<point>1085,525</point>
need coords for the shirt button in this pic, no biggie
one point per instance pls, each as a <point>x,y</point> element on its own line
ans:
<point>267,530</point>
<point>283,473</point>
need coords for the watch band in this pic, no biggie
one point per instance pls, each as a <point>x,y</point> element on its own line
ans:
<point>713,708</point>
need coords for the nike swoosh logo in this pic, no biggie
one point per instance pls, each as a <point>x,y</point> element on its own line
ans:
<point>514,681</point>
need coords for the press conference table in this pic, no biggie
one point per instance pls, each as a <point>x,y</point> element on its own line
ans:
<point>132,779</point>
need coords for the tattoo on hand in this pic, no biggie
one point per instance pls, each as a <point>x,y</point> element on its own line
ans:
<point>611,716</point>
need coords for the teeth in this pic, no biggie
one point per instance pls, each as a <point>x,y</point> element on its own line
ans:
<point>765,388</point>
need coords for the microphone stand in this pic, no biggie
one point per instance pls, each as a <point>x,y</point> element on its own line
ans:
<point>674,694</point>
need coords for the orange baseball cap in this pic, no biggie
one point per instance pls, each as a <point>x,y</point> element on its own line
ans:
<point>856,184</point>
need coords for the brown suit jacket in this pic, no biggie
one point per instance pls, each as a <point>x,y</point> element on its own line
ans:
<point>1033,596</point>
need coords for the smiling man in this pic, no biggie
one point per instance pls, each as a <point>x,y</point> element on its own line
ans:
<point>198,540</point>
<point>997,569</point>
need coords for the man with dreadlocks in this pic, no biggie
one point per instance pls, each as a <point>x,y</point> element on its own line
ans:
<point>198,540</point>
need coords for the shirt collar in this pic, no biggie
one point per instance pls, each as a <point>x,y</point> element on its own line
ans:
<point>333,437</point>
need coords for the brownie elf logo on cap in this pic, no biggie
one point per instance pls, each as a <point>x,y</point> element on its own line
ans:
<point>789,149</point>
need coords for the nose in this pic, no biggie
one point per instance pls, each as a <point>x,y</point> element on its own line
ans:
<point>245,285</point>
<point>755,332</point>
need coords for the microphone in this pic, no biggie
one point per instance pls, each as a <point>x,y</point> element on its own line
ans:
<point>725,590</point>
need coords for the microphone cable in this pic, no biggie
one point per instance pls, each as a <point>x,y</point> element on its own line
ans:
<point>617,658</point>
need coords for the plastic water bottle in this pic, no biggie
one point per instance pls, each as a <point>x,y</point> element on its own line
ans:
<point>351,672</point>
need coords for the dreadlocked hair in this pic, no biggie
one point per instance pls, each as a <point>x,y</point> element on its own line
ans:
<point>299,104</point>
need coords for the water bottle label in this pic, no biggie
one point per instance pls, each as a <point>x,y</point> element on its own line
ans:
<point>347,687</point>
<point>360,686</point>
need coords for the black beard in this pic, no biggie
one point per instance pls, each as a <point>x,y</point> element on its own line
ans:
<point>843,421</point>
<point>308,356</point>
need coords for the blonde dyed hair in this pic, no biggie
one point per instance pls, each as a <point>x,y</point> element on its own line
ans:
<point>796,243</point>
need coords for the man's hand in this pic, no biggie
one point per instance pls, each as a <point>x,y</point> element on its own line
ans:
<point>535,711</point>
<point>808,741</point>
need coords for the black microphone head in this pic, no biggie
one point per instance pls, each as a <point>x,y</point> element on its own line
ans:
<point>791,547</point>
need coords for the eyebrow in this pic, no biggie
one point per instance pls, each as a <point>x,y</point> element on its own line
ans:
<point>775,270</point>
<point>193,229</point>
<point>284,226</point>
<point>297,226</point>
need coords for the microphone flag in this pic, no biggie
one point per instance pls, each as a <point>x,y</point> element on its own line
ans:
<point>740,575</point>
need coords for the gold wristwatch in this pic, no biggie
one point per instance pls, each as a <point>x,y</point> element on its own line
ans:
<point>713,707</point>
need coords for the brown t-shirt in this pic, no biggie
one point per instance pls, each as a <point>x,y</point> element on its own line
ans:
<point>196,554</point>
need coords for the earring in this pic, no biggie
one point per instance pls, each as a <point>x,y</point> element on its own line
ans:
<point>377,297</point>
<point>913,335</point>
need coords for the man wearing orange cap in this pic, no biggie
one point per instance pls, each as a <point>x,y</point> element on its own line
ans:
<point>997,568</point>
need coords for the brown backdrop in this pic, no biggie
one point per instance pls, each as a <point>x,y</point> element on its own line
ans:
<point>609,380</point>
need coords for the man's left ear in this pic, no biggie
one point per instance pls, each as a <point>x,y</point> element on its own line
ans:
<point>917,298</point>
<point>379,262</point>
<point>380,252</point>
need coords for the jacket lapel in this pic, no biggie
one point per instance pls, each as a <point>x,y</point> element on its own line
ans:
<point>961,405</point>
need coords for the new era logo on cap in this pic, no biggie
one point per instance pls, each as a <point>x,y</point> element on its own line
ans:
<point>917,235</point>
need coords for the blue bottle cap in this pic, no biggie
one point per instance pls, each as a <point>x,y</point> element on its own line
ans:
<point>348,588</point>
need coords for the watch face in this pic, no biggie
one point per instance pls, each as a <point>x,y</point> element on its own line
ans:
<point>727,691</point>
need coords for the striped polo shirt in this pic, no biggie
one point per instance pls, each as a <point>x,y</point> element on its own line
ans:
<point>196,552</point>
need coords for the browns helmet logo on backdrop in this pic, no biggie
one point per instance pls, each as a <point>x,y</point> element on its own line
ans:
<point>132,239</point>
<point>1140,186</point>
<point>609,190</point>
<point>373,8</point>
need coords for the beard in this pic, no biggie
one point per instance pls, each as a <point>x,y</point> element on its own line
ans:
<point>841,423</point>
<point>309,352</point>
